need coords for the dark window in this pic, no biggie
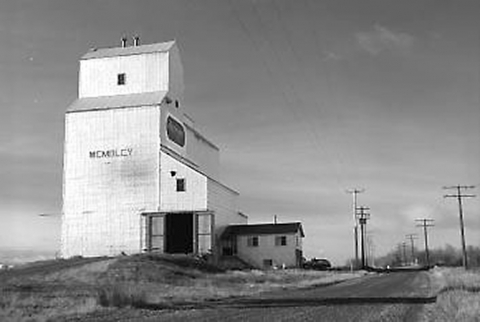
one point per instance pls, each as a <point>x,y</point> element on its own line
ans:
<point>252,241</point>
<point>181,185</point>
<point>280,240</point>
<point>175,131</point>
<point>121,79</point>
<point>177,104</point>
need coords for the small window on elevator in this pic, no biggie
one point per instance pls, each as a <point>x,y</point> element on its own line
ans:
<point>175,131</point>
<point>181,185</point>
<point>121,79</point>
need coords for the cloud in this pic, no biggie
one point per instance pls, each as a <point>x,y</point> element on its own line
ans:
<point>416,211</point>
<point>331,56</point>
<point>381,39</point>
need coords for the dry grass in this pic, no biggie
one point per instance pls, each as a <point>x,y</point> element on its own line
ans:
<point>35,307</point>
<point>45,291</point>
<point>138,281</point>
<point>458,295</point>
<point>142,281</point>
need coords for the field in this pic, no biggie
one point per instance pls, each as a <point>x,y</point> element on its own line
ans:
<point>56,290</point>
<point>458,295</point>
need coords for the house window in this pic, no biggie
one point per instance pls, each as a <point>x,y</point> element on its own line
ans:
<point>252,241</point>
<point>280,240</point>
<point>175,131</point>
<point>181,185</point>
<point>121,79</point>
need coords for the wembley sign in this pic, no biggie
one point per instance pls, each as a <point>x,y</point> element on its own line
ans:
<point>113,153</point>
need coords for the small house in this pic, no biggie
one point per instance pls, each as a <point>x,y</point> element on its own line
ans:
<point>265,245</point>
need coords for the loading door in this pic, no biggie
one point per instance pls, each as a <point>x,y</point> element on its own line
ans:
<point>179,233</point>
<point>204,227</point>
<point>156,228</point>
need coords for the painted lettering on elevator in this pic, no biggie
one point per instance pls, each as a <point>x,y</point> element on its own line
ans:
<point>113,153</point>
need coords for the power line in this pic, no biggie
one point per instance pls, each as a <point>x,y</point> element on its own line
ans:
<point>459,197</point>
<point>425,223</point>
<point>287,36</point>
<point>293,99</point>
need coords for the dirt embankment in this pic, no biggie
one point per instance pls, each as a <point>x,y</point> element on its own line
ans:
<point>53,290</point>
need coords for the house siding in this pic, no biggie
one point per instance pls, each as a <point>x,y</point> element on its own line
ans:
<point>267,250</point>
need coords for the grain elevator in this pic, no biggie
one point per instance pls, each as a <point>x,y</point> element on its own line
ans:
<point>138,175</point>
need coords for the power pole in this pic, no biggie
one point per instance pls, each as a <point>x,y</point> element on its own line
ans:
<point>399,250</point>
<point>426,223</point>
<point>404,252</point>
<point>412,237</point>
<point>363,216</point>
<point>354,193</point>
<point>459,197</point>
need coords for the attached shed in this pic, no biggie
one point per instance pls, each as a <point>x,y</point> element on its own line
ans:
<point>265,245</point>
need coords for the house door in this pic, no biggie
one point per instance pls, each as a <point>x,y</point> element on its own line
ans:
<point>299,257</point>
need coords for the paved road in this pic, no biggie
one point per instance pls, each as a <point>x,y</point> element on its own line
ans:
<point>388,297</point>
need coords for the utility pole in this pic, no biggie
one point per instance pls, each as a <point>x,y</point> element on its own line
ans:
<point>426,223</point>
<point>412,237</point>
<point>459,197</point>
<point>404,252</point>
<point>363,216</point>
<point>399,254</point>
<point>354,193</point>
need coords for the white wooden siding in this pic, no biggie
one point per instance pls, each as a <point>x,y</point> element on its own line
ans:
<point>195,196</point>
<point>144,73</point>
<point>104,197</point>
<point>223,202</point>
<point>203,154</point>
<point>175,79</point>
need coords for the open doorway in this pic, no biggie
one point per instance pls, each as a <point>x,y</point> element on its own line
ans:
<point>179,233</point>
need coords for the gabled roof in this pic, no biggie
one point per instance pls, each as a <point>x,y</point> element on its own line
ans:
<point>117,101</point>
<point>263,229</point>
<point>130,50</point>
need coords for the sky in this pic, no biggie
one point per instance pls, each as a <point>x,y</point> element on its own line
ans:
<point>306,99</point>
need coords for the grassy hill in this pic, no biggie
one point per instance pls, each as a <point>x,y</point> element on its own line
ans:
<point>58,289</point>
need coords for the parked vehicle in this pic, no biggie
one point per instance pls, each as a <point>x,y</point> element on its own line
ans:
<point>317,264</point>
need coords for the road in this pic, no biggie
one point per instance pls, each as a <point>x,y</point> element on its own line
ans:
<point>388,297</point>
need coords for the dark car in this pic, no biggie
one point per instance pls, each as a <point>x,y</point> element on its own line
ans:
<point>318,264</point>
